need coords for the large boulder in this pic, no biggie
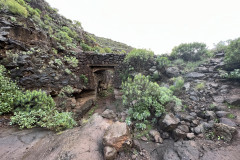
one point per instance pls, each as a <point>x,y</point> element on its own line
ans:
<point>169,122</point>
<point>172,71</point>
<point>156,135</point>
<point>225,131</point>
<point>115,139</point>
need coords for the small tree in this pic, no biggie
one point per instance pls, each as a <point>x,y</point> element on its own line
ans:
<point>190,51</point>
<point>146,100</point>
<point>232,57</point>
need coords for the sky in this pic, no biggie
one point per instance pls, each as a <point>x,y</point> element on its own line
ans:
<point>158,25</point>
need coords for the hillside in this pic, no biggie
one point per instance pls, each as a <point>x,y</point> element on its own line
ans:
<point>70,95</point>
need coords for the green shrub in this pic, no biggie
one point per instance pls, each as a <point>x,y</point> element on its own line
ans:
<point>37,109</point>
<point>178,83</point>
<point>190,51</point>
<point>68,71</point>
<point>107,50</point>
<point>63,37</point>
<point>138,58</point>
<point>71,33</point>
<point>139,55</point>
<point>200,86</point>
<point>15,7</point>
<point>84,78</point>
<point>73,61</point>
<point>146,100</point>
<point>162,62</point>
<point>86,47</point>
<point>232,57</point>
<point>9,92</point>
<point>235,74</point>
<point>220,47</point>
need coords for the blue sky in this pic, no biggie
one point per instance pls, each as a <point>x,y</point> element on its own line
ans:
<point>158,25</point>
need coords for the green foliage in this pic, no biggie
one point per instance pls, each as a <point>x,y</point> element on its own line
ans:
<point>190,51</point>
<point>231,116</point>
<point>107,50</point>
<point>9,92</point>
<point>71,33</point>
<point>16,7</point>
<point>73,61</point>
<point>37,109</point>
<point>77,24</point>
<point>162,62</point>
<point>63,37</point>
<point>84,78</point>
<point>178,83</point>
<point>67,90</point>
<point>86,47</point>
<point>221,46</point>
<point>200,86</point>
<point>139,55</point>
<point>68,71</point>
<point>99,49</point>
<point>232,56</point>
<point>235,74</point>
<point>145,100</point>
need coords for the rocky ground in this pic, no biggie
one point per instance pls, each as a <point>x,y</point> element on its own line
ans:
<point>206,128</point>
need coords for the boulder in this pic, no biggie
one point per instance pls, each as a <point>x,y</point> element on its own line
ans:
<point>156,135</point>
<point>180,132</point>
<point>228,122</point>
<point>210,115</point>
<point>169,122</point>
<point>115,138</point>
<point>109,114</point>
<point>221,114</point>
<point>172,71</point>
<point>190,136</point>
<point>110,153</point>
<point>233,99</point>
<point>225,131</point>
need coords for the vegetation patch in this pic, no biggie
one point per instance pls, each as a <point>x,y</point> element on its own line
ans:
<point>146,100</point>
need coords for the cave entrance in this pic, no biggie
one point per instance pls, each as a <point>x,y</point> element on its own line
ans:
<point>103,82</point>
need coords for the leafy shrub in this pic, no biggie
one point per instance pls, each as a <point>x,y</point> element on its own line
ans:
<point>86,47</point>
<point>63,37</point>
<point>84,78</point>
<point>67,89</point>
<point>99,49</point>
<point>107,50</point>
<point>9,92</point>
<point>190,51</point>
<point>221,46</point>
<point>71,33</point>
<point>178,83</point>
<point>232,57</point>
<point>235,74</point>
<point>145,99</point>
<point>139,55</point>
<point>68,71</point>
<point>73,61</point>
<point>200,86</point>
<point>162,62</point>
<point>37,109</point>
<point>15,7</point>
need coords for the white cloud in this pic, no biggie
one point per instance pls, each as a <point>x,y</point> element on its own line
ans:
<point>156,24</point>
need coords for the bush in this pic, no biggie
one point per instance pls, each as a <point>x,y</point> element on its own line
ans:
<point>178,83</point>
<point>37,109</point>
<point>139,55</point>
<point>235,74</point>
<point>107,50</point>
<point>162,62</point>
<point>84,78</point>
<point>9,92</point>
<point>190,51</point>
<point>63,37</point>
<point>14,7</point>
<point>232,57</point>
<point>73,61</point>
<point>71,33</point>
<point>86,47</point>
<point>138,58</point>
<point>146,100</point>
